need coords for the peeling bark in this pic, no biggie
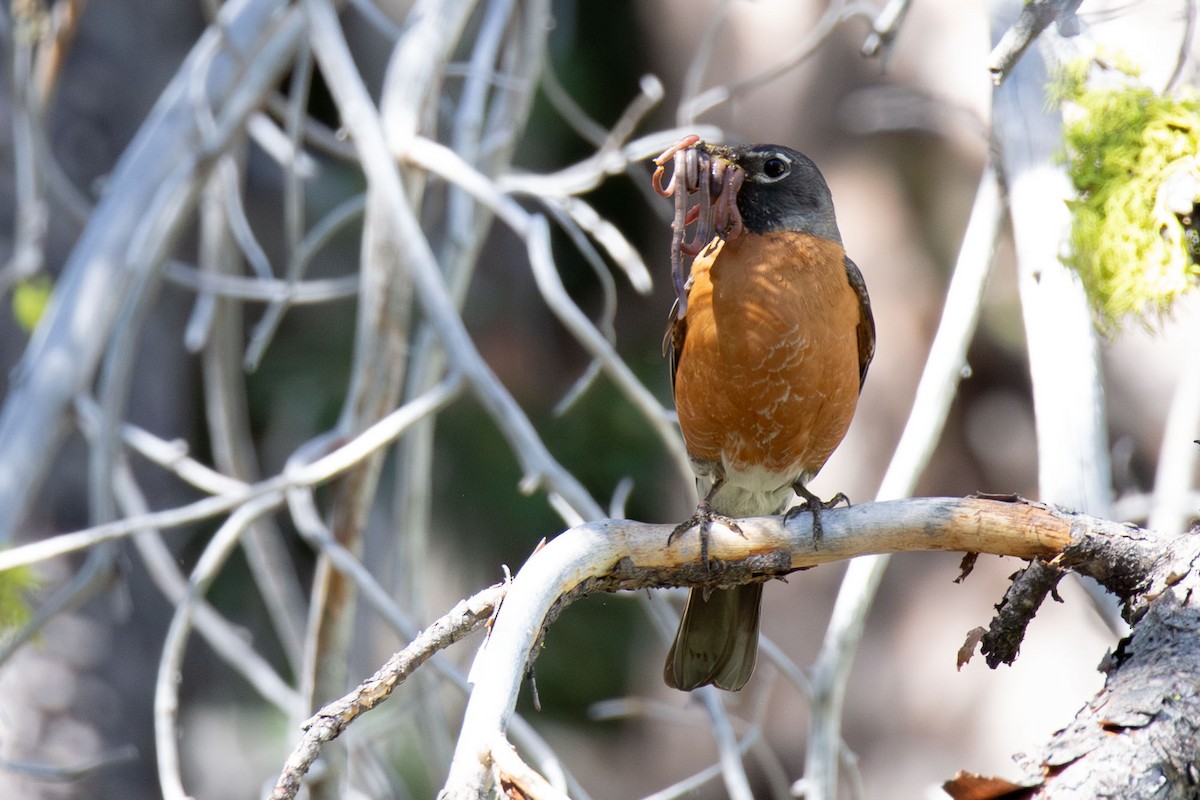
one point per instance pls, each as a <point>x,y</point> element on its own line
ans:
<point>1138,738</point>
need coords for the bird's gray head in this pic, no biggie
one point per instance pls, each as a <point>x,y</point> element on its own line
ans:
<point>783,191</point>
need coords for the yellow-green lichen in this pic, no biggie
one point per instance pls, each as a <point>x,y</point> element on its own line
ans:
<point>15,586</point>
<point>1132,156</point>
<point>29,300</point>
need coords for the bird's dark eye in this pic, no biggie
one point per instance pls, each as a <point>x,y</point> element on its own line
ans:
<point>775,168</point>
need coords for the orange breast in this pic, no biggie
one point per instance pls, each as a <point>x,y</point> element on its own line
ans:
<point>768,375</point>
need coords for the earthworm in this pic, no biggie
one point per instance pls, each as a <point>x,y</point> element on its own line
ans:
<point>697,170</point>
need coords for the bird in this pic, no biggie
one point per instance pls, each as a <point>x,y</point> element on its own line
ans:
<point>768,360</point>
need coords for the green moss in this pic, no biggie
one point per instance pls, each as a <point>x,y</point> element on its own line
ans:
<point>15,586</point>
<point>29,300</point>
<point>1128,150</point>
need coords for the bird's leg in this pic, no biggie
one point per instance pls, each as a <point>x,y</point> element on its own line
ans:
<point>703,519</point>
<point>814,504</point>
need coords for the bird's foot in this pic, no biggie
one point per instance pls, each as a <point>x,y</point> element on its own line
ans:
<point>703,519</point>
<point>816,505</point>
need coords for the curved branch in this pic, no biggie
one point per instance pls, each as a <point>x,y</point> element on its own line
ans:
<point>614,555</point>
<point>329,723</point>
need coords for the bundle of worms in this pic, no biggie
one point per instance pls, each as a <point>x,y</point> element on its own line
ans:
<point>705,187</point>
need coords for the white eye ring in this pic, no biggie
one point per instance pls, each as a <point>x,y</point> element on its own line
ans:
<point>777,163</point>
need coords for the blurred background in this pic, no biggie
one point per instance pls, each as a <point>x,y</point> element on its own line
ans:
<point>902,142</point>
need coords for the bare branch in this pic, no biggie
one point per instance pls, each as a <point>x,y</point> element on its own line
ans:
<point>30,23</point>
<point>615,554</point>
<point>693,782</point>
<point>1145,714</point>
<point>228,417</point>
<point>319,471</point>
<point>166,689</point>
<point>319,290</point>
<point>885,27</point>
<point>222,636</point>
<point>516,779</point>
<point>329,723</point>
<point>413,249</point>
<point>434,144</point>
<point>1035,16</point>
<point>1021,602</point>
<point>536,234</point>
<point>73,772</point>
<point>733,771</point>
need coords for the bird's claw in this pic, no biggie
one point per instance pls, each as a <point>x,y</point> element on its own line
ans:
<point>815,505</point>
<point>703,519</point>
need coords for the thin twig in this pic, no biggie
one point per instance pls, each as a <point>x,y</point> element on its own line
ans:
<point>226,640</point>
<point>1021,602</point>
<point>282,149</point>
<point>320,471</point>
<point>335,717</point>
<point>885,27</point>
<point>729,753</point>
<point>608,308</point>
<point>239,225</point>
<point>170,455</point>
<point>381,347</point>
<point>358,115</point>
<point>319,290</point>
<point>690,784</point>
<point>31,25</point>
<point>572,113</point>
<point>387,273</point>
<point>310,524</point>
<point>72,772</point>
<point>52,54</point>
<point>228,418</point>
<point>702,55</point>
<point>170,667</point>
<point>608,236</point>
<point>774,773</point>
<point>586,175</point>
<point>1035,16</point>
<point>298,256</point>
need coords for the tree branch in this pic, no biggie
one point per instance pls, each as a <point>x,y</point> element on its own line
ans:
<point>1138,737</point>
<point>615,555</point>
<point>1021,602</point>
<point>1034,18</point>
<point>328,723</point>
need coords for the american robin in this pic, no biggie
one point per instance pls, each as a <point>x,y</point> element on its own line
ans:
<point>768,361</point>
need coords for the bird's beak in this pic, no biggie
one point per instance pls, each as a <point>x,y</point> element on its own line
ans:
<point>722,152</point>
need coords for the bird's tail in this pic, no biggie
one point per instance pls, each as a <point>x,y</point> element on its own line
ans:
<point>717,641</point>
